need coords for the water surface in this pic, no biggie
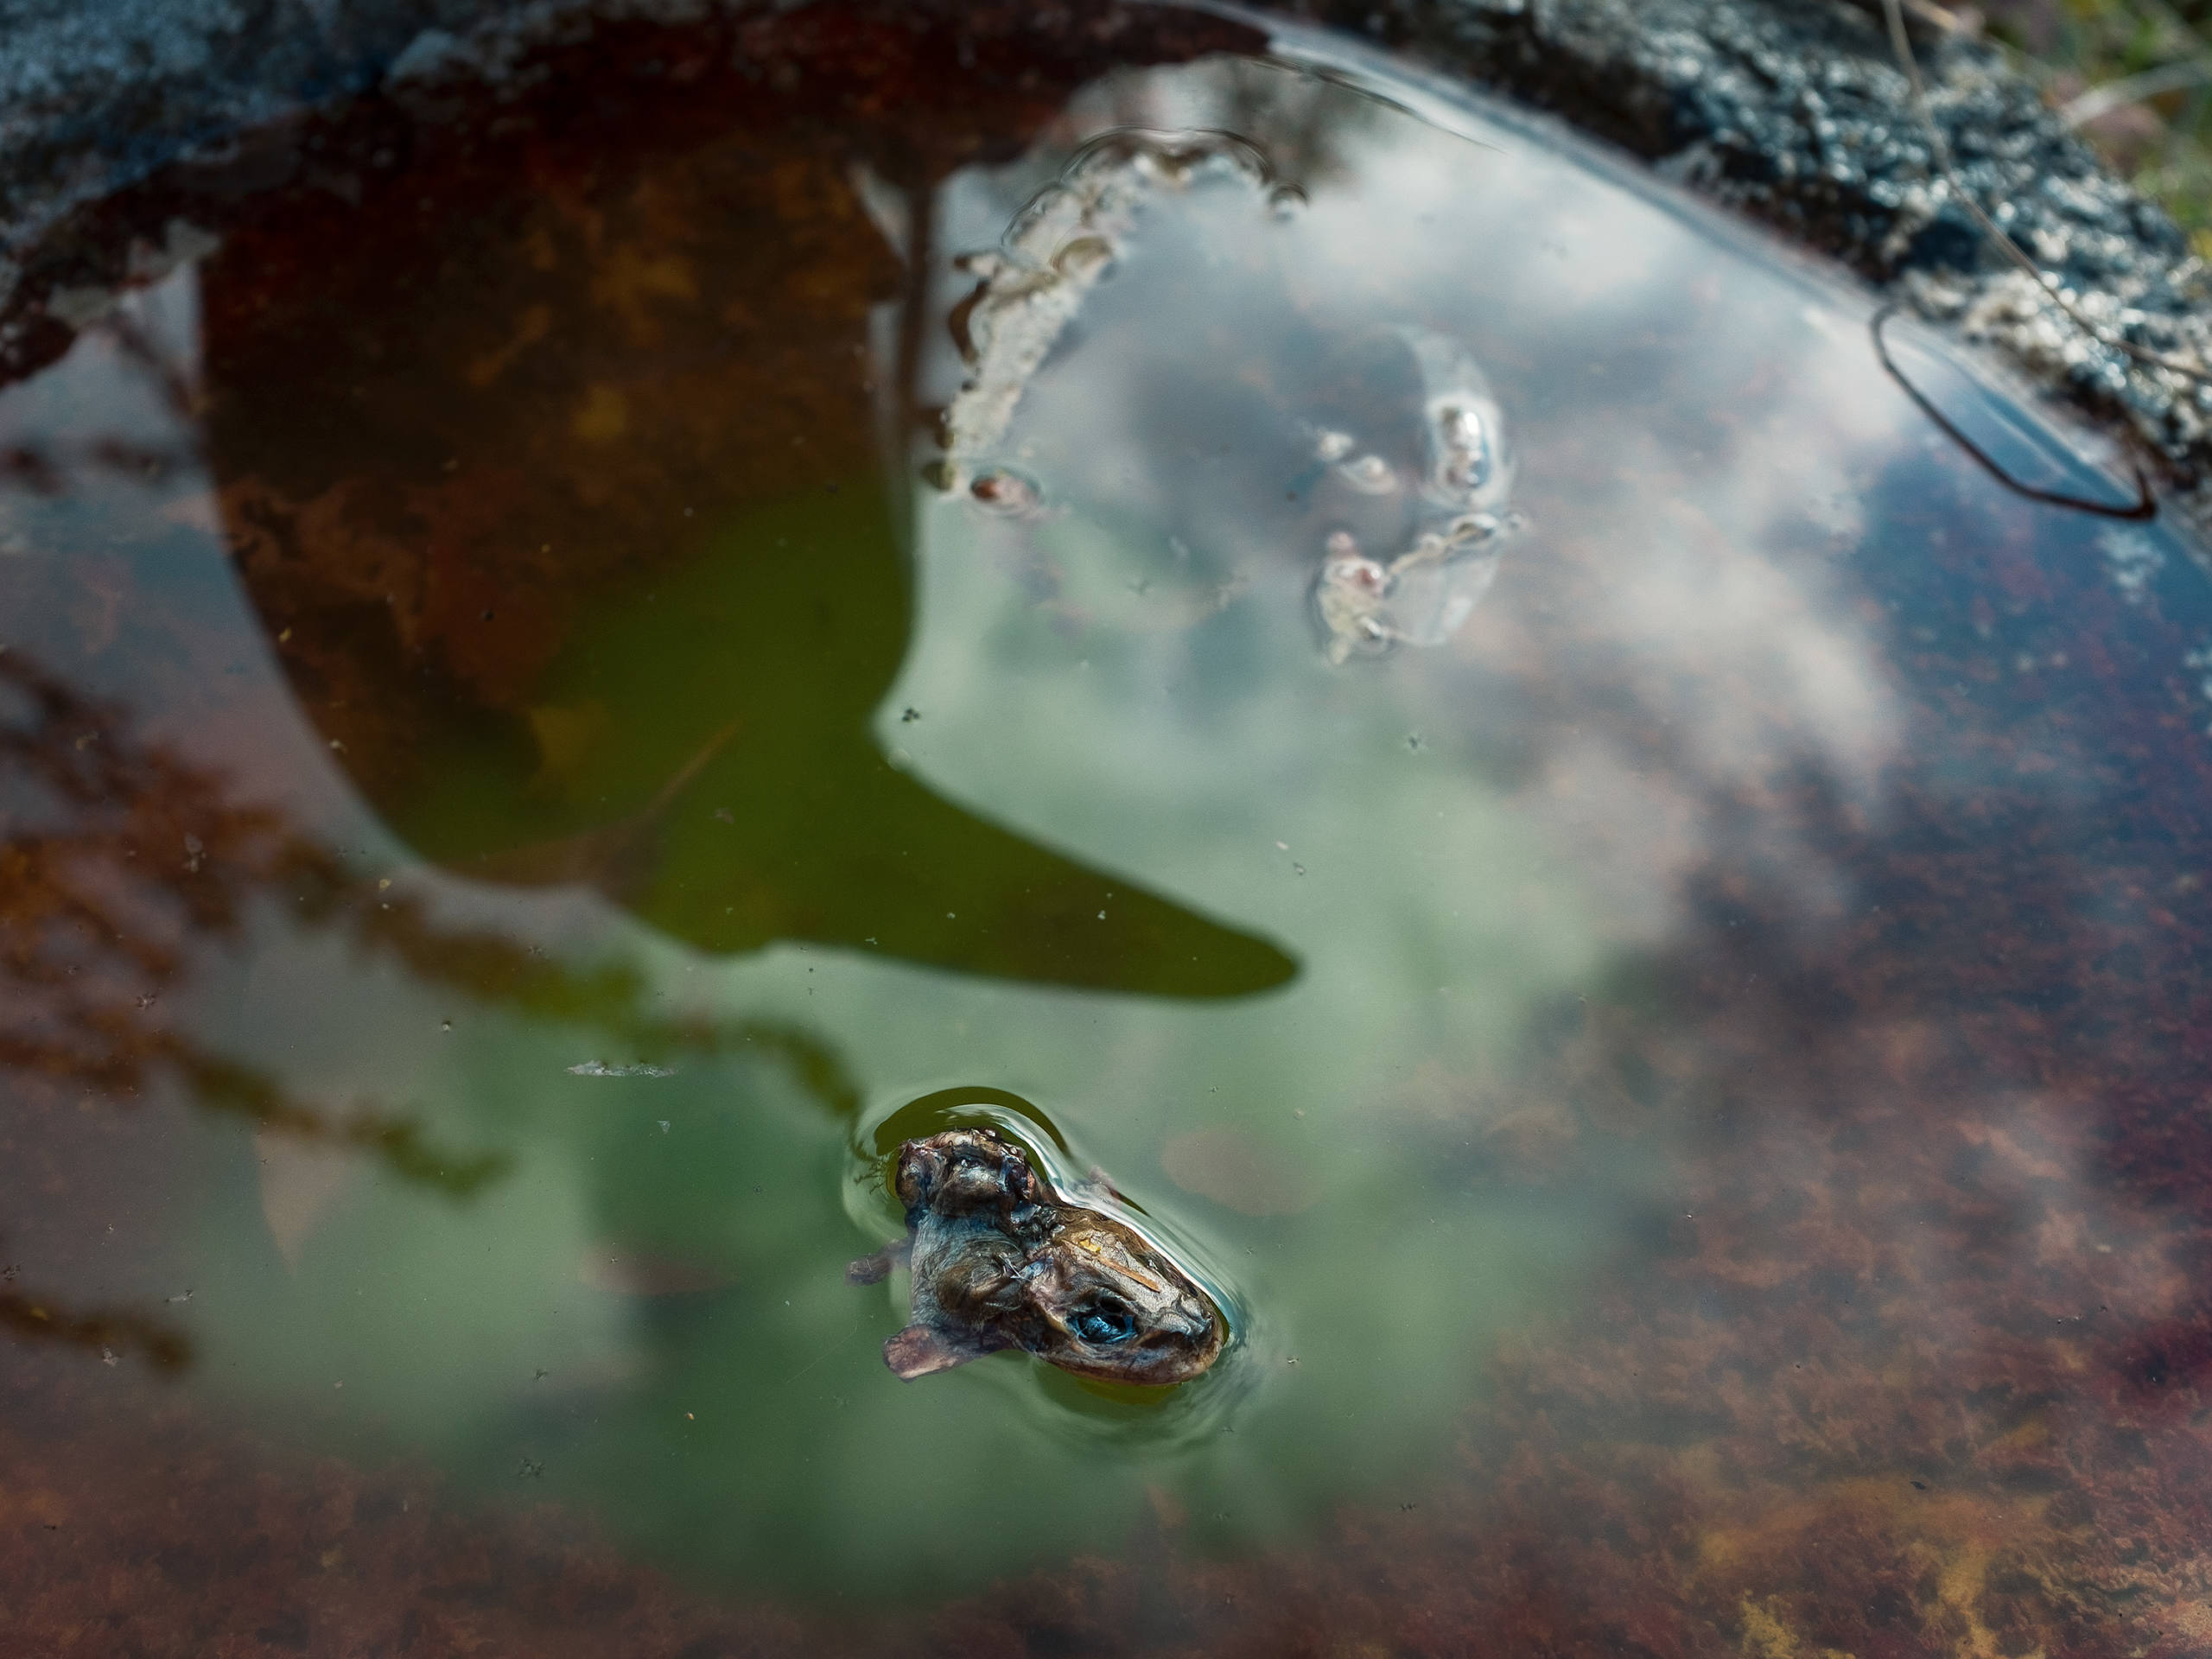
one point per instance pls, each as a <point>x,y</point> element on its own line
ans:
<point>543,731</point>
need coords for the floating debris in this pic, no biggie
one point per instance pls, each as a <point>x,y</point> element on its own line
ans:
<point>1422,596</point>
<point>1053,253</point>
<point>601,1068</point>
<point>1001,490</point>
<point>1452,488</point>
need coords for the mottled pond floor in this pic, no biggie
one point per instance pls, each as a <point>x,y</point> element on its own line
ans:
<point>579,662</point>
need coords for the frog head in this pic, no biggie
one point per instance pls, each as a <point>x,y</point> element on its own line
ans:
<point>1002,1261</point>
<point>1104,1302</point>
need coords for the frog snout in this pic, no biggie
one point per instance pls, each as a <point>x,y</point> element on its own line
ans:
<point>1177,1325</point>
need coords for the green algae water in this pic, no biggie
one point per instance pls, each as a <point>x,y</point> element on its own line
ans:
<point>1279,633</point>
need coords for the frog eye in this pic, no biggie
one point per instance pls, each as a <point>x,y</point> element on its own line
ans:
<point>1103,1320</point>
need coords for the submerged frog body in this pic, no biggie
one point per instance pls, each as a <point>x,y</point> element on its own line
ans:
<point>1001,1261</point>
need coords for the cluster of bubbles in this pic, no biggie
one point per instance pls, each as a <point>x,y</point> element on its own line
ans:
<point>1033,284</point>
<point>1457,501</point>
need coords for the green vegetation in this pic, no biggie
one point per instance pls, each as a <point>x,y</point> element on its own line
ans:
<point>2136,75</point>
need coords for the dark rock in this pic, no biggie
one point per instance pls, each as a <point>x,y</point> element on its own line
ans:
<point>1792,111</point>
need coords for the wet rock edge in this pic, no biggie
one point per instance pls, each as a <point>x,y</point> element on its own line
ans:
<point>1791,111</point>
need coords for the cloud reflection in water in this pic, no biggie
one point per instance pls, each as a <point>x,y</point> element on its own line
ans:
<point>1711,1066</point>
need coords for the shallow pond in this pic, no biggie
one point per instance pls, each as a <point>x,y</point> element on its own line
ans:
<point>582,664</point>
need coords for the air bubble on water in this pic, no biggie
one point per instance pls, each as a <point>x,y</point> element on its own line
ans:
<point>1003,490</point>
<point>1434,592</point>
<point>1084,259</point>
<point>1286,201</point>
<point>1329,447</point>
<point>1353,595</point>
<point>1052,216</point>
<point>1463,430</point>
<point>1420,598</point>
<point>1462,446</point>
<point>1368,475</point>
<point>1423,596</point>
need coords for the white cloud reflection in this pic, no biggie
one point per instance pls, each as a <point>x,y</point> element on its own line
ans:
<point>1675,681</point>
<point>1673,610</point>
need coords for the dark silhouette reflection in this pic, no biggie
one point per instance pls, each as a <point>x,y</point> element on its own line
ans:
<point>148,857</point>
<point>148,860</point>
<point>121,863</point>
<point>552,466</point>
<point>107,1334</point>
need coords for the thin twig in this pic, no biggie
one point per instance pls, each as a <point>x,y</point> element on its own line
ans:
<point>2145,505</point>
<point>2133,89</point>
<point>1941,151</point>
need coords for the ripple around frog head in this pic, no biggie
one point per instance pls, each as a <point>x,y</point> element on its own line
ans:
<point>1050,1403</point>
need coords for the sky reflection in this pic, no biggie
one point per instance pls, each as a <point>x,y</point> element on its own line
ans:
<point>1712,1042</point>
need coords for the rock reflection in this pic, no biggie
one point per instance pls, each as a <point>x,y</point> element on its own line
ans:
<point>147,859</point>
<point>124,865</point>
<point>106,1334</point>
